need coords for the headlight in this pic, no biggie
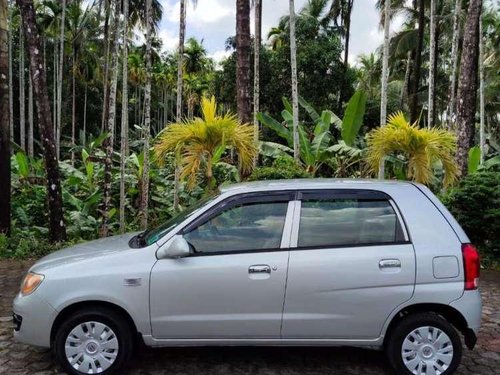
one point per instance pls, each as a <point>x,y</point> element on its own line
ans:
<point>30,283</point>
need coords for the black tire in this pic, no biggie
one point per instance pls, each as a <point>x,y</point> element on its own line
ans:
<point>412,322</point>
<point>110,318</point>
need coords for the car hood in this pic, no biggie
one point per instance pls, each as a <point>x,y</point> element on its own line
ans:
<point>84,251</point>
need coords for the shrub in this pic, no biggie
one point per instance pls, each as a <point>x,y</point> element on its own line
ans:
<point>283,168</point>
<point>475,203</point>
<point>26,247</point>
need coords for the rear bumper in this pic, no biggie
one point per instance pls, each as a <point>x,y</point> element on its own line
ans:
<point>470,306</point>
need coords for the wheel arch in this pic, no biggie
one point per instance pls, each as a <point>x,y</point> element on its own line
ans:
<point>84,305</point>
<point>451,314</point>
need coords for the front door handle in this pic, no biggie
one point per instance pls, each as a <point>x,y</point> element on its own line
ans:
<point>389,263</point>
<point>259,269</point>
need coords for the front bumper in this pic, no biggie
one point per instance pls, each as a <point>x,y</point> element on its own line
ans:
<point>33,319</point>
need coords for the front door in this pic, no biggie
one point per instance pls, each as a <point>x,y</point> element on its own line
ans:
<point>233,284</point>
<point>352,266</point>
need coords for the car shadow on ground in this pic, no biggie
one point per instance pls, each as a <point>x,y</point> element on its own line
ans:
<point>259,360</point>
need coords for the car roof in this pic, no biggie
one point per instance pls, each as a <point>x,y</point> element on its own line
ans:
<point>311,183</point>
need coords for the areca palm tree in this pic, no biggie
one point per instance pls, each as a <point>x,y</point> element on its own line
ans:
<point>457,10</point>
<point>80,32</point>
<point>420,148</point>
<point>199,143</point>
<point>467,84</point>
<point>295,93</point>
<point>180,73</point>
<point>243,59</point>
<point>4,121</point>
<point>256,67</point>
<point>144,188</point>
<point>385,75</point>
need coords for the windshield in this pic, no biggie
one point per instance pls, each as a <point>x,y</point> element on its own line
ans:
<point>153,235</point>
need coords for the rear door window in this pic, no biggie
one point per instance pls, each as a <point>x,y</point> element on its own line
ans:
<point>329,220</point>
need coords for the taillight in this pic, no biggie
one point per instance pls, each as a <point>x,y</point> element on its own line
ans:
<point>471,266</point>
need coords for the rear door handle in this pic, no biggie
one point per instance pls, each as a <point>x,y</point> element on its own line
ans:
<point>259,269</point>
<point>389,263</point>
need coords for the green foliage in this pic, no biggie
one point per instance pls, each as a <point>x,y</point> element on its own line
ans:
<point>283,168</point>
<point>353,117</point>
<point>492,164</point>
<point>19,246</point>
<point>319,61</point>
<point>474,159</point>
<point>475,203</point>
<point>315,147</point>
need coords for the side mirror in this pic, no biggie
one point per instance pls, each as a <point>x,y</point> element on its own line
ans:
<point>177,247</point>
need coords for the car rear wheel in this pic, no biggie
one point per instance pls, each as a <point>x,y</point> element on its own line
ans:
<point>92,341</point>
<point>424,344</point>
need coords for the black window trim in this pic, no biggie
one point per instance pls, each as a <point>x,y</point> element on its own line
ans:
<point>361,194</point>
<point>233,201</point>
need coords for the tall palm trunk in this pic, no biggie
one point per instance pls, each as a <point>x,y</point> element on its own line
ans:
<point>60,79</point>
<point>180,73</point>
<point>84,131</point>
<point>454,65</point>
<point>385,75</point>
<point>432,64</point>
<point>143,201</point>
<point>31,123</point>
<point>73,104</point>
<point>5,139</point>
<point>57,229</point>
<point>243,60</point>
<point>124,124</point>
<point>256,70</point>
<point>54,89</point>
<point>414,113</point>
<point>346,20</point>
<point>11,77</point>
<point>107,41</point>
<point>467,85</point>
<point>295,92</point>
<point>404,90</point>
<point>180,59</point>
<point>481,90</point>
<point>22,94</point>
<point>110,126</point>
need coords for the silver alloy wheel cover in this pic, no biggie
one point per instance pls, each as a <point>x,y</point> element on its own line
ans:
<point>427,351</point>
<point>91,347</point>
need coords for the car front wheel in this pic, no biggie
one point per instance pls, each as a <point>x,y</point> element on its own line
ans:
<point>424,344</point>
<point>92,341</point>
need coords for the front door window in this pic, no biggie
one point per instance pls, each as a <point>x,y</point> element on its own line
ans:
<point>249,226</point>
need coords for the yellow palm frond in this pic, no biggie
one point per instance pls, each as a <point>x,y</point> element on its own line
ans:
<point>421,147</point>
<point>209,109</point>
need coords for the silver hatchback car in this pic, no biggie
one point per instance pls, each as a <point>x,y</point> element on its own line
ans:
<point>301,262</point>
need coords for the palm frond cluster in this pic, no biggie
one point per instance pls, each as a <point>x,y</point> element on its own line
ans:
<point>422,148</point>
<point>200,142</point>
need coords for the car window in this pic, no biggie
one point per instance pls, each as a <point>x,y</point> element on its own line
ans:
<point>250,226</point>
<point>153,235</point>
<point>338,222</point>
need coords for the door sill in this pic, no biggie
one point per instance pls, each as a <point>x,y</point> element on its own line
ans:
<point>173,342</point>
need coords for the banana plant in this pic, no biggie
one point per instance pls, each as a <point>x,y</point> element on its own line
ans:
<point>319,146</point>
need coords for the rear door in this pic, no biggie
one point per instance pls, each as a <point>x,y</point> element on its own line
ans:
<point>351,264</point>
